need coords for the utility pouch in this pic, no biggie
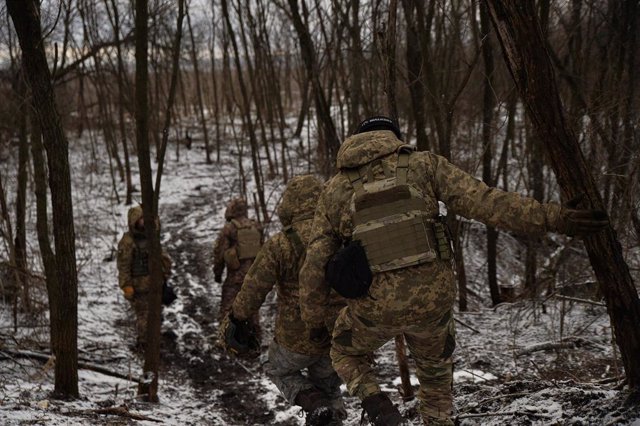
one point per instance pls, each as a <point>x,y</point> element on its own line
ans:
<point>442,239</point>
<point>348,272</point>
<point>231,258</point>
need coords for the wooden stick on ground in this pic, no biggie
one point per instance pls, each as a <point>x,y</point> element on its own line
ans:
<point>121,411</point>
<point>407,389</point>
<point>81,364</point>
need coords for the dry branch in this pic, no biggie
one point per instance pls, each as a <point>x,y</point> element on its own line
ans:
<point>121,411</point>
<point>567,343</point>
<point>82,364</point>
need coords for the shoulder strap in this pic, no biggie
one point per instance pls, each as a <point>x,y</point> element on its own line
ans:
<point>356,180</point>
<point>237,224</point>
<point>402,167</point>
<point>294,239</point>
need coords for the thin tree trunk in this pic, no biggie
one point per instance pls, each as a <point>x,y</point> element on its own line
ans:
<point>524,50</point>
<point>175,63</point>
<point>20,244</point>
<point>194,58</point>
<point>149,387</point>
<point>63,293</point>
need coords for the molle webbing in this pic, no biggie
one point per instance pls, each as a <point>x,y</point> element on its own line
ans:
<point>249,240</point>
<point>140,262</point>
<point>391,218</point>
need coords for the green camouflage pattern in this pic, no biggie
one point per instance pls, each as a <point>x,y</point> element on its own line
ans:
<point>403,300</point>
<point>278,263</point>
<point>431,342</point>
<point>227,240</point>
<point>141,284</point>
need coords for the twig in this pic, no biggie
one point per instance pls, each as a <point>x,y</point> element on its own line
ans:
<point>81,364</point>
<point>506,413</point>
<point>576,299</point>
<point>464,324</point>
<point>121,411</point>
<point>506,395</point>
<point>569,342</point>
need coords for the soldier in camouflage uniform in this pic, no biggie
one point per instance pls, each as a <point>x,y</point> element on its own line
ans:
<point>226,254</point>
<point>416,301</point>
<point>290,353</point>
<point>133,270</point>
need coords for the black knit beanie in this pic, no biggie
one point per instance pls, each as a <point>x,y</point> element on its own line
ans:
<point>379,122</point>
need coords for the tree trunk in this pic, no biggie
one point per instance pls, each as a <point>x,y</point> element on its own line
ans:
<point>20,244</point>
<point>148,388</point>
<point>196,70</point>
<point>63,292</point>
<point>524,50</point>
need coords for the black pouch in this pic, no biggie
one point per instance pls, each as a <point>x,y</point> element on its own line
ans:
<point>168,295</point>
<point>348,271</point>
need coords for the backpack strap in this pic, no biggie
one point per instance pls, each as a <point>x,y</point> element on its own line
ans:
<point>402,167</point>
<point>236,223</point>
<point>356,180</point>
<point>299,248</point>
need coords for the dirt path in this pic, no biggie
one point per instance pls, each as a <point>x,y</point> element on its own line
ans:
<point>218,379</point>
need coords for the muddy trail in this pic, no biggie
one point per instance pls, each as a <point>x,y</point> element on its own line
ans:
<point>234,386</point>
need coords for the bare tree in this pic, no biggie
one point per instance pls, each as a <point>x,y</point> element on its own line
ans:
<point>62,280</point>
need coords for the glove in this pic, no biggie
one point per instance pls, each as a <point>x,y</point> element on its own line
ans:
<point>581,222</point>
<point>128,292</point>
<point>320,336</point>
<point>239,336</point>
<point>218,278</point>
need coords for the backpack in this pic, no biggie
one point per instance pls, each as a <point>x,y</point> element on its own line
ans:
<point>249,240</point>
<point>390,217</point>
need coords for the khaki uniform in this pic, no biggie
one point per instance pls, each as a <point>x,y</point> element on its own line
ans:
<point>416,301</point>
<point>133,270</point>
<point>278,264</point>
<point>227,241</point>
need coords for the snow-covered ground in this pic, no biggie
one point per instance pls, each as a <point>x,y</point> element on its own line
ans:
<point>503,373</point>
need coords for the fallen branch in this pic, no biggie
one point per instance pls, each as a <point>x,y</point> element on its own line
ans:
<point>576,299</point>
<point>121,411</point>
<point>495,398</point>
<point>464,324</point>
<point>506,413</point>
<point>81,364</point>
<point>568,343</point>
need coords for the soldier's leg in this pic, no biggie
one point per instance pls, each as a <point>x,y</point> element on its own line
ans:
<point>284,369</point>
<point>431,344</point>
<point>230,289</point>
<point>325,378</point>
<point>141,308</point>
<point>350,348</point>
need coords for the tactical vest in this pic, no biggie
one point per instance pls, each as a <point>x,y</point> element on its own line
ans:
<point>391,218</point>
<point>140,261</point>
<point>248,237</point>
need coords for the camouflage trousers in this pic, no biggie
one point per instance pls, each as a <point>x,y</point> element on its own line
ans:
<point>431,343</point>
<point>230,289</point>
<point>140,304</point>
<point>285,369</point>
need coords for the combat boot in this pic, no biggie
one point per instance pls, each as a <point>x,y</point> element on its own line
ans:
<point>318,407</point>
<point>381,411</point>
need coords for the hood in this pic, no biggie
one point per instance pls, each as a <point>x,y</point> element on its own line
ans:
<point>363,148</point>
<point>299,199</point>
<point>236,209</point>
<point>134,214</point>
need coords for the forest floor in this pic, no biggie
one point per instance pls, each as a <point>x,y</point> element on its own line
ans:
<point>551,361</point>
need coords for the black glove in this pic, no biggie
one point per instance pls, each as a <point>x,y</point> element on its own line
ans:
<point>218,278</point>
<point>240,336</point>
<point>581,222</point>
<point>320,336</point>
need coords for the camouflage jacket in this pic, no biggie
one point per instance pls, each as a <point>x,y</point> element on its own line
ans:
<point>227,239</point>
<point>405,296</point>
<point>132,245</point>
<point>277,265</point>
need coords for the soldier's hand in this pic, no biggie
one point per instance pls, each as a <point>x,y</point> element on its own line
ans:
<point>218,278</point>
<point>320,336</point>
<point>239,335</point>
<point>574,222</point>
<point>128,292</point>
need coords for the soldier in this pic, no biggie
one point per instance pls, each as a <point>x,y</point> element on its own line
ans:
<point>236,247</point>
<point>383,207</point>
<point>133,270</point>
<point>290,353</point>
